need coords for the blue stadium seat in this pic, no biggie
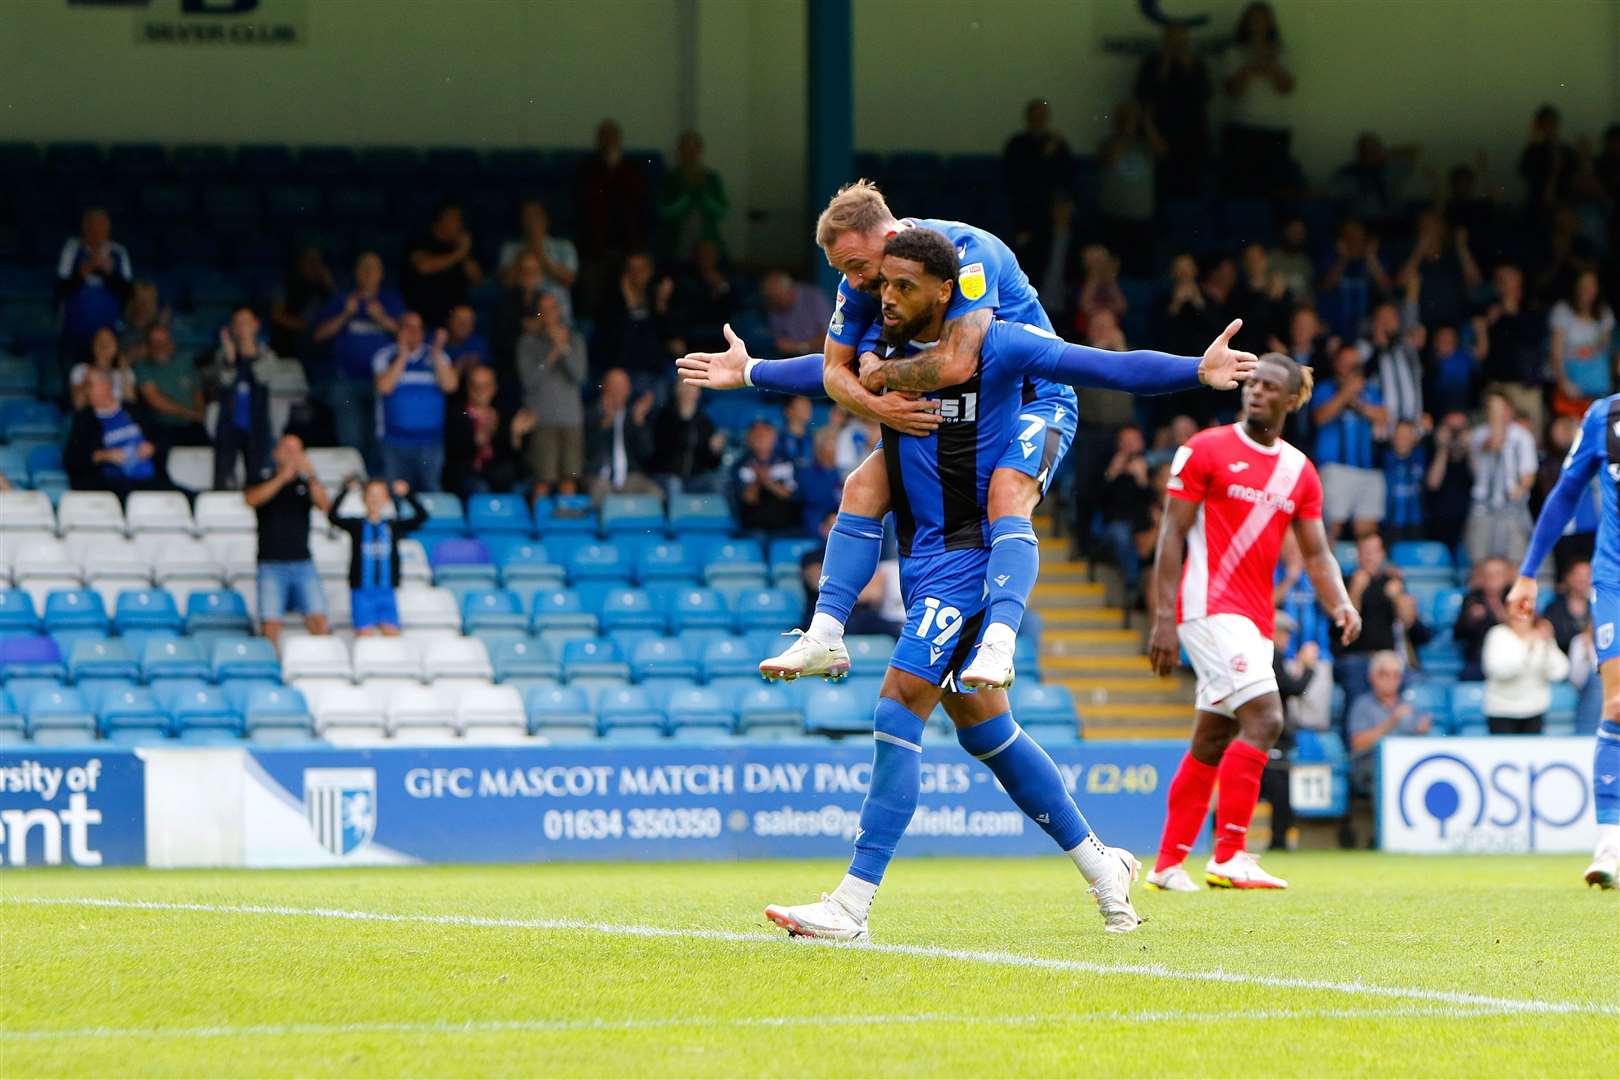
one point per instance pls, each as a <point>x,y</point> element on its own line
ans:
<point>594,659</point>
<point>629,639</point>
<point>497,515</point>
<point>698,609</point>
<point>699,708</point>
<point>486,609</point>
<point>1433,698</point>
<point>456,558</point>
<point>172,660</point>
<point>631,609</point>
<point>75,609</point>
<point>267,161</point>
<point>764,707</point>
<point>560,712</point>
<point>838,708</point>
<point>787,552</point>
<point>17,614</point>
<point>222,609</point>
<point>445,515</point>
<point>245,658</point>
<point>145,609</point>
<point>593,594</point>
<point>133,712</point>
<point>523,659</point>
<point>1445,607</point>
<point>631,514</point>
<point>1043,705</point>
<point>869,652</point>
<point>60,716</point>
<point>690,515</point>
<point>629,707</point>
<point>1440,656</point>
<point>13,728</point>
<point>1345,552</point>
<point>1423,560</point>
<point>1325,748</point>
<point>598,562</point>
<point>193,704</point>
<point>765,609</point>
<point>662,658</point>
<point>730,560</point>
<point>32,656</point>
<point>528,563</point>
<point>105,659</point>
<point>1467,705</point>
<point>271,713</point>
<point>666,560</point>
<point>1561,712</point>
<point>729,658</point>
<point>564,514</point>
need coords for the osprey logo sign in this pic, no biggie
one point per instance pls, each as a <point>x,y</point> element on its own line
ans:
<point>341,805</point>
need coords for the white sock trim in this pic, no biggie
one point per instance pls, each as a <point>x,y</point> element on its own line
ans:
<point>855,896</point>
<point>1017,731</point>
<point>884,736</point>
<point>826,629</point>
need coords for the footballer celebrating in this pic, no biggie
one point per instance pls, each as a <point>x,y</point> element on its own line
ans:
<point>1233,493</point>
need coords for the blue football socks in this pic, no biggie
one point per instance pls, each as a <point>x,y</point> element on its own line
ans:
<point>1029,776</point>
<point>853,548</point>
<point>1606,773</point>
<point>891,796</point>
<point>1015,563</point>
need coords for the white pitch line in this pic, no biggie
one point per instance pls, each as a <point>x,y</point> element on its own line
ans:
<point>500,1027</point>
<point>1151,971</point>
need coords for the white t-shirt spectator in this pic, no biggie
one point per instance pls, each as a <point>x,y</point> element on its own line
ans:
<point>1260,104</point>
<point>1498,472</point>
<point>1586,347</point>
<point>1519,673</point>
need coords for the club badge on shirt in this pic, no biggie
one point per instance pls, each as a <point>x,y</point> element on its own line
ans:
<point>971,280</point>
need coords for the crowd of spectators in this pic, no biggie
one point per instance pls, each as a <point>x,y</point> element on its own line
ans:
<point>1457,336</point>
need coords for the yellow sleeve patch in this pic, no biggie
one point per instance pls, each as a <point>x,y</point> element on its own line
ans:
<point>971,280</point>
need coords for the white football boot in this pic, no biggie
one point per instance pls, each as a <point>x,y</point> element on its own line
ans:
<point>1605,869</point>
<point>1241,871</point>
<point>827,919</point>
<point>992,666</point>
<point>808,656</point>
<point>1113,893</point>
<point>1172,879</point>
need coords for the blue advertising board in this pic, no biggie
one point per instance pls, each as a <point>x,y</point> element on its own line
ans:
<point>723,801</point>
<point>72,807</point>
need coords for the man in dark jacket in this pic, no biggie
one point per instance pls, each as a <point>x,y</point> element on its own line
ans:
<point>237,383</point>
<point>687,447</point>
<point>106,449</point>
<point>619,441</point>
<point>482,441</point>
<point>374,566</point>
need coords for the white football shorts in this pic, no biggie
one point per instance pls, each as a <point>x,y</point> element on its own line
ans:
<point>1231,659</point>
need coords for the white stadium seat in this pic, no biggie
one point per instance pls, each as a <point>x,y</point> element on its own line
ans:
<point>491,714</point>
<point>39,588</point>
<point>191,467</point>
<point>108,589</point>
<point>386,658</point>
<point>421,714</point>
<point>347,714</point>
<point>100,556</point>
<point>457,658</point>
<point>158,512</point>
<point>335,464</point>
<point>427,608</point>
<point>44,557</point>
<point>90,512</point>
<point>413,562</point>
<point>225,512</point>
<point>26,511</point>
<point>331,554</point>
<point>180,558</point>
<point>310,657</point>
<point>236,553</point>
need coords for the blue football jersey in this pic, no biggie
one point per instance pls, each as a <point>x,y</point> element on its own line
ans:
<point>1589,456</point>
<point>990,277</point>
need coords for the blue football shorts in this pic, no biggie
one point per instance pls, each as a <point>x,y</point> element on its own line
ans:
<point>1044,433</point>
<point>945,598</point>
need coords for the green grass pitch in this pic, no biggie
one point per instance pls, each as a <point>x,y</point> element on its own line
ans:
<point>1370,965</point>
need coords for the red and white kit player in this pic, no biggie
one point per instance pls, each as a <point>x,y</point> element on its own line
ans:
<point>1233,493</point>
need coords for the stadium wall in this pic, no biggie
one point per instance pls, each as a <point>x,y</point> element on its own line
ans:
<point>942,75</point>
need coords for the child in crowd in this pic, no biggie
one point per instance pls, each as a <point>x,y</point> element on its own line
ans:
<point>374,566</point>
<point>1404,467</point>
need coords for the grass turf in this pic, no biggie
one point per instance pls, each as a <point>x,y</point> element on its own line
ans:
<point>188,992</point>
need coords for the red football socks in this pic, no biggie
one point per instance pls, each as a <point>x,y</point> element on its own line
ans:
<point>1189,805</point>
<point>1240,771</point>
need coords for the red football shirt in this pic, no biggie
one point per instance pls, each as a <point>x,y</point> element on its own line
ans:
<point>1250,494</point>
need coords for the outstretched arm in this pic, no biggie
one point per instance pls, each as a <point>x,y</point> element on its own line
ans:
<point>1140,372</point>
<point>1572,486</point>
<point>1326,578</point>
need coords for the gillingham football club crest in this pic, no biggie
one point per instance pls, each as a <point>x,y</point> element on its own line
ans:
<point>341,805</point>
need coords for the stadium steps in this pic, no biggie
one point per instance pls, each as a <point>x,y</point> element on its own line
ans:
<point>1093,692</point>
<point>1050,594</point>
<point>1131,719</point>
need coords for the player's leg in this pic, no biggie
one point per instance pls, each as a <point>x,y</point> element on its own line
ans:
<point>853,549</point>
<point>1187,800</point>
<point>1243,765</point>
<point>1605,868</point>
<point>1045,431</point>
<point>904,703</point>
<point>986,729</point>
